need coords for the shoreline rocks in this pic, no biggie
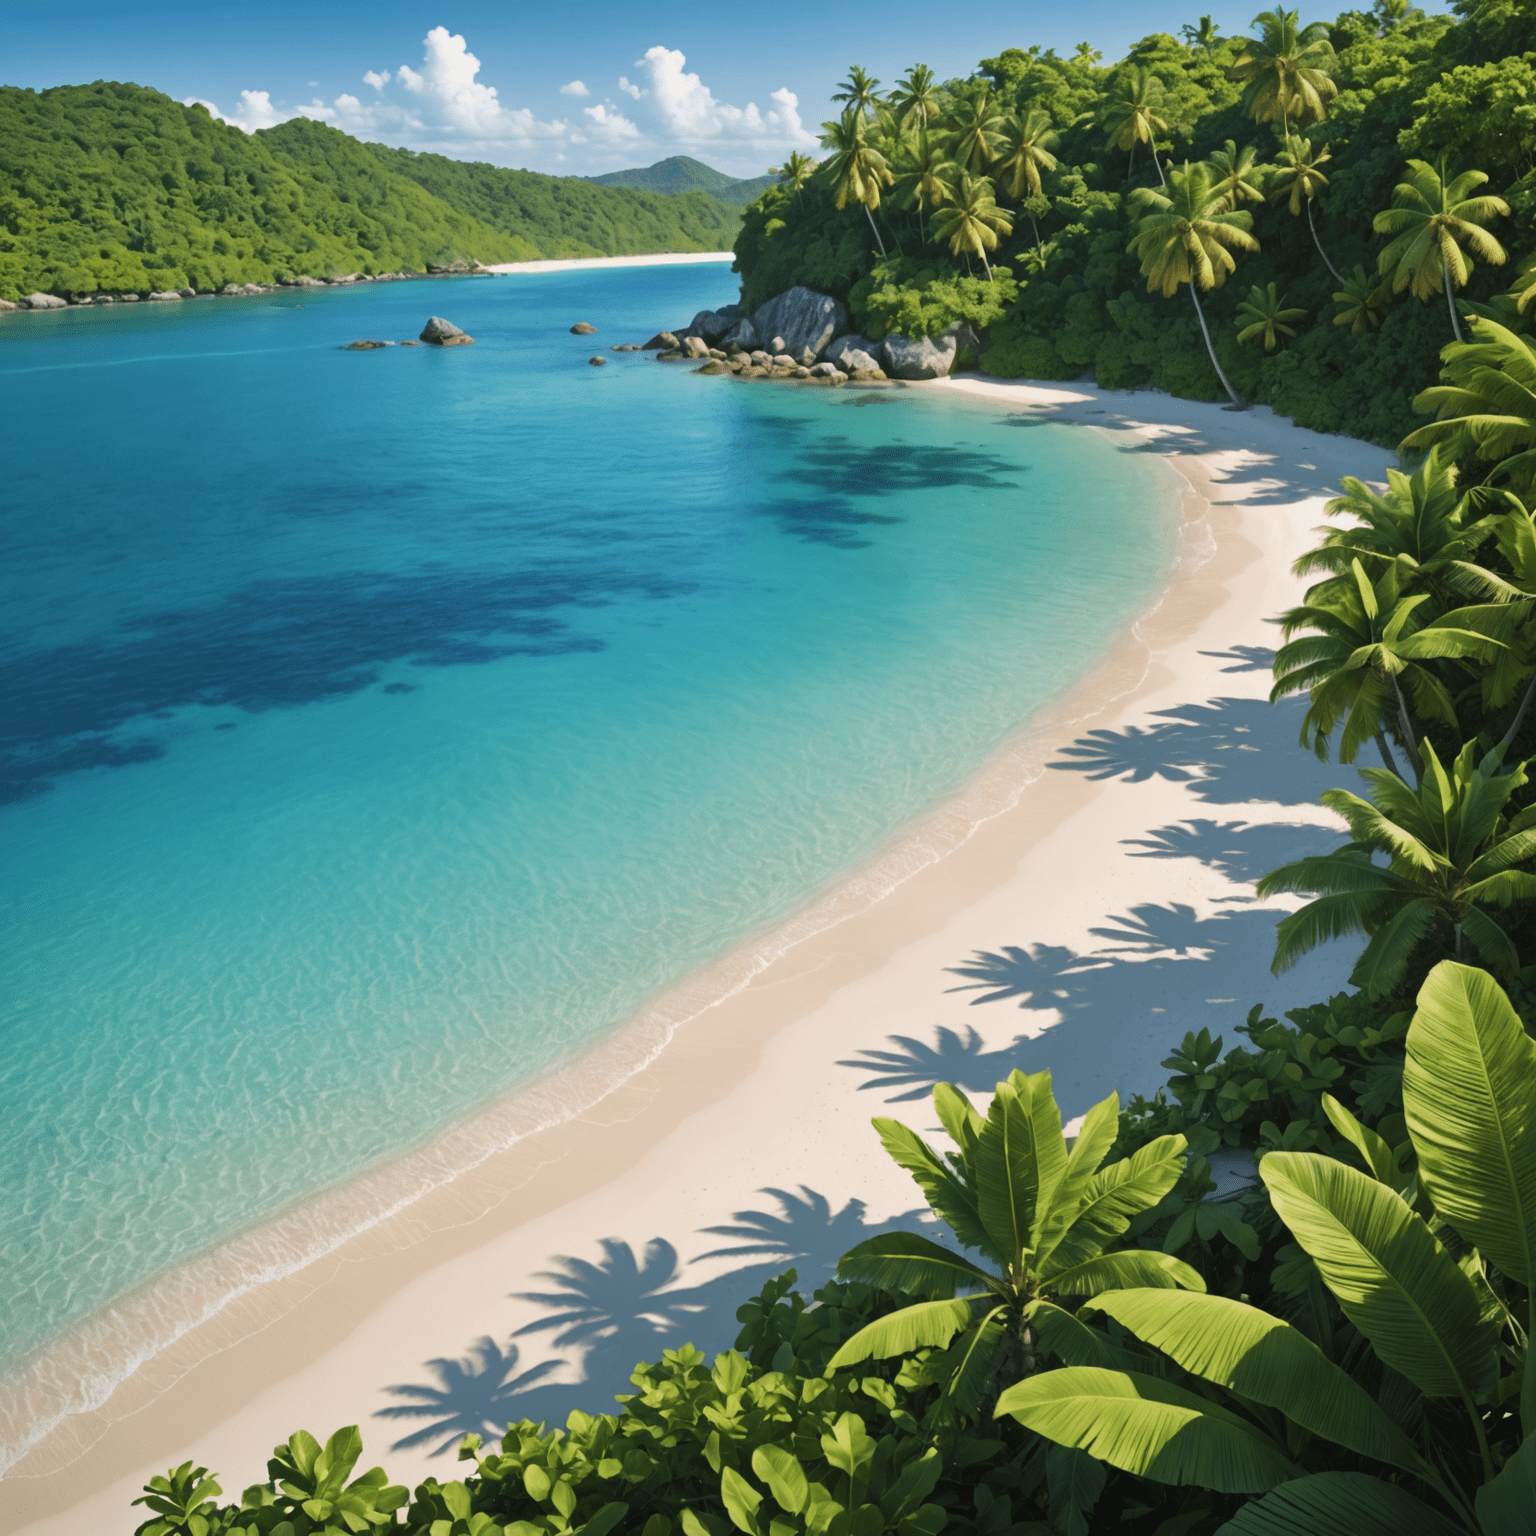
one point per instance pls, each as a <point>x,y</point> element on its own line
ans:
<point>438,332</point>
<point>44,301</point>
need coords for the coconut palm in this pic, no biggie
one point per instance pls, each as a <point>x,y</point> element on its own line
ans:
<point>856,169</point>
<point>1391,14</point>
<point>1266,317</point>
<point>1037,258</point>
<point>1287,71</point>
<point>1131,115</point>
<point>976,128</point>
<point>1237,174</point>
<point>1025,152</point>
<point>1365,660</point>
<point>924,175</point>
<point>1086,53</point>
<point>1523,289</point>
<point>1439,232</point>
<point>1362,301</point>
<point>1452,855</point>
<point>1039,1217</point>
<point>1205,36</point>
<point>861,91</point>
<point>916,96</point>
<point>971,221</point>
<point>1187,235</point>
<point>1298,178</point>
<point>796,170</point>
<point>1485,404</point>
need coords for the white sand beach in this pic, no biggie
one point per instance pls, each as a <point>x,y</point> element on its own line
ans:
<point>1083,928</point>
<point>583,263</point>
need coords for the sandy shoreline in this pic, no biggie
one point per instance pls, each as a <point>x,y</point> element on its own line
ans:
<point>646,1216</point>
<point>593,263</point>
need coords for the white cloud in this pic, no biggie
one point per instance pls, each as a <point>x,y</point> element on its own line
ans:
<point>630,90</point>
<point>574,88</point>
<point>255,111</point>
<point>687,110</point>
<point>377,78</point>
<point>609,123</point>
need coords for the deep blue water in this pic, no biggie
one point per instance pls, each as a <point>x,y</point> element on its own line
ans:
<point>380,729</point>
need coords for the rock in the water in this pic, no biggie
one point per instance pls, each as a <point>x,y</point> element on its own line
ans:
<point>45,301</point>
<point>169,294</point>
<point>761,359</point>
<point>626,346</point>
<point>238,290</point>
<point>854,352</point>
<point>802,320</point>
<point>583,328</point>
<point>713,324</point>
<point>664,341</point>
<point>696,346</point>
<point>743,334</point>
<point>926,357</point>
<point>444,333</point>
<point>597,362</point>
<point>366,346</point>
<point>714,365</point>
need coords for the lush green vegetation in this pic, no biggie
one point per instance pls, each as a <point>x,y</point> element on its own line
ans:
<point>682,173</point>
<point>1362,181</point>
<point>114,188</point>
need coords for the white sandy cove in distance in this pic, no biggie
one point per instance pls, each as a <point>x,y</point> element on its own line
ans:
<point>1084,930</point>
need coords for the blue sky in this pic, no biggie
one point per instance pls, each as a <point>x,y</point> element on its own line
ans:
<point>566,88</point>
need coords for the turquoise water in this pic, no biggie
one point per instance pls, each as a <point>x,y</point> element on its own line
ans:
<point>382,729</point>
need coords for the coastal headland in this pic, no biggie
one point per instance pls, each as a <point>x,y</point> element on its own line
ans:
<point>1081,904</point>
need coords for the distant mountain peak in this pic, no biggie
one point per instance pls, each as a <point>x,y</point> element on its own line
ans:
<point>682,173</point>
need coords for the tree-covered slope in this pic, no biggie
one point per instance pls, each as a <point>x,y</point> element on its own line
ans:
<point>682,173</point>
<point>565,215</point>
<point>111,187</point>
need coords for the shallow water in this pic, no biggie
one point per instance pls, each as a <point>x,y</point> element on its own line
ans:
<point>382,729</point>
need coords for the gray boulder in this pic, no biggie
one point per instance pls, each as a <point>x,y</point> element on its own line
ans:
<point>6,304</point>
<point>583,328</point>
<point>598,362</point>
<point>696,346</point>
<point>852,352</point>
<point>45,301</point>
<point>170,293</point>
<point>713,324</point>
<point>805,321</point>
<point>662,341</point>
<point>438,332</point>
<point>926,357</point>
<point>743,334</point>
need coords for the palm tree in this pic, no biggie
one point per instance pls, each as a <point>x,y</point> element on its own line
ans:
<point>1267,318</point>
<point>1393,13</point>
<point>1287,71</point>
<point>1485,404</point>
<point>1086,53</point>
<point>1131,115</point>
<point>1041,1219</point>
<point>796,170</point>
<point>1188,235</point>
<point>1365,659</point>
<point>1026,151</point>
<point>1523,289</point>
<point>976,128</point>
<point>1452,854</point>
<point>1362,302</point>
<point>1037,257</point>
<point>1203,36</point>
<point>972,221</point>
<point>923,175</point>
<point>855,168</point>
<point>860,91</point>
<point>1299,178</point>
<point>1438,225</point>
<point>916,97</point>
<point>1237,174</point>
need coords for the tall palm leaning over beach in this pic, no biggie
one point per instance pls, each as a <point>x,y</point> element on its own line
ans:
<point>1131,116</point>
<point>971,221</point>
<point>1452,856</point>
<point>1041,1219</point>
<point>1287,71</point>
<point>1187,235</point>
<point>856,169</point>
<point>1439,233</point>
<point>1298,179</point>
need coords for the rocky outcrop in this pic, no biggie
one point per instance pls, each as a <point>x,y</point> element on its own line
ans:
<point>713,325</point>
<point>167,295</point>
<point>301,282</point>
<point>743,335</point>
<point>803,320</point>
<point>597,362</point>
<point>366,346</point>
<point>662,341</point>
<point>626,346</point>
<point>6,304</point>
<point>45,301</point>
<point>239,290</point>
<point>438,332</point>
<point>853,353</point>
<point>927,357</point>
<point>583,328</point>
<point>452,268</point>
<point>696,346</point>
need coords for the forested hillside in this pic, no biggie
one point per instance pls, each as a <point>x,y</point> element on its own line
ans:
<point>1043,168</point>
<point>682,173</point>
<point>561,215</point>
<point>115,188</point>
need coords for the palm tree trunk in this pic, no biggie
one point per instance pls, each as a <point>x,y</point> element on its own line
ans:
<point>1157,160</point>
<point>1405,726</point>
<point>1130,169</point>
<point>1386,755</point>
<point>1238,403</point>
<point>1450,302</point>
<point>981,251</point>
<point>1319,244</point>
<point>1515,724</point>
<point>878,241</point>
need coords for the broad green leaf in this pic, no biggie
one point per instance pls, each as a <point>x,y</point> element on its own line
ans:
<point>1074,1481</point>
<point>1128,1267</point>
<point>1374,1152</point>
<point>1264,1360</point>
<point>958,1116</point>
<point>1469,1095</point>
<point>905,1262</point>
<point>1100,1126</point>
<point>973,1358</point>
<point>1507,1505</point>
<point>1113,1197</point>
<point>1395,1282</point>
<point>848,1448</point>
<point>1333,1503</point>
<point>948,1196</point>
<point>780,1469</point>
<point>742,1501</point>
<point>1149,1427</point>
<point>456,1497</point>
<point>604,1519</point>
<point>914,1483</point>
<point>1019,1159</point>
<point>1073,1342</point>
<point>928,1325</point>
